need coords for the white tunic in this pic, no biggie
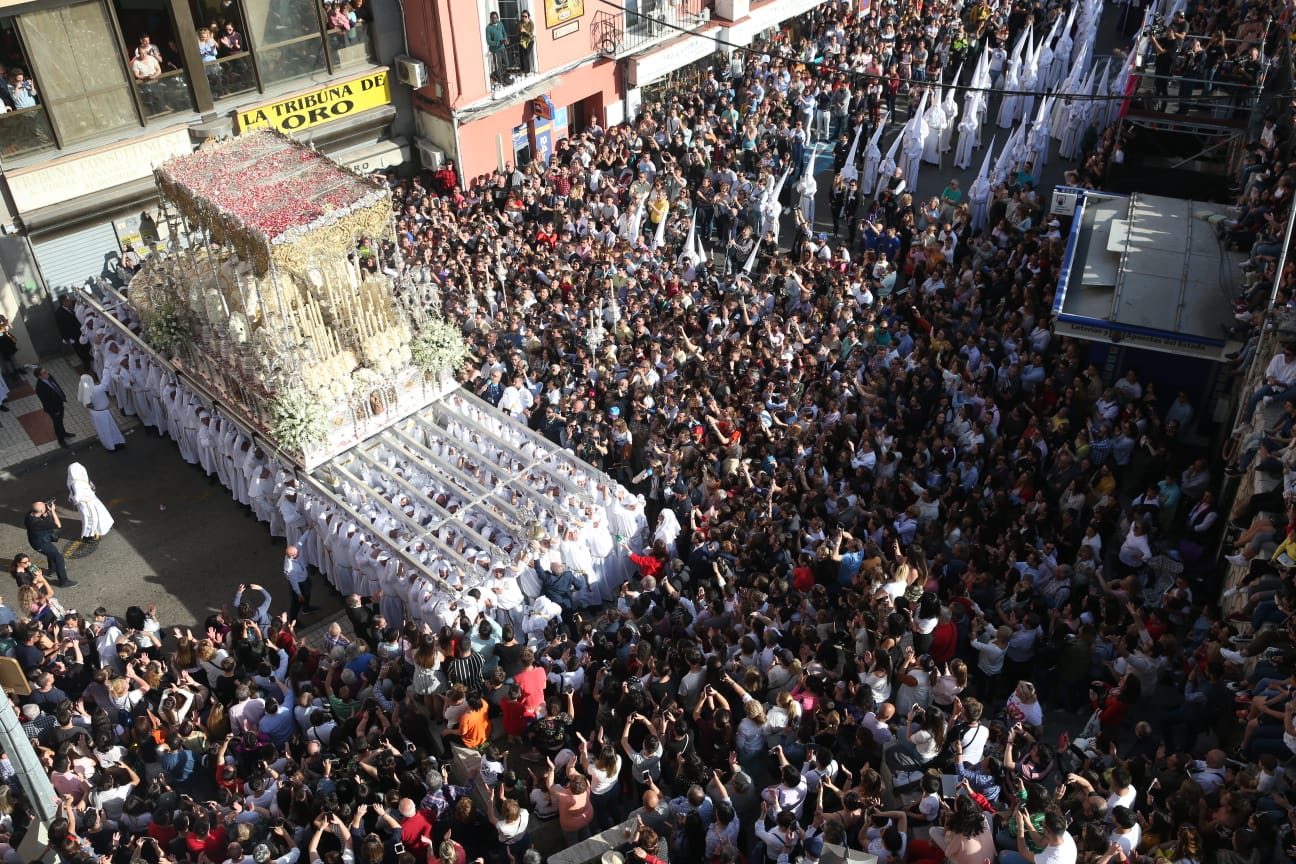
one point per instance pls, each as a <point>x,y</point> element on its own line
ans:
<point>104,424</point>
<point>95,519</point>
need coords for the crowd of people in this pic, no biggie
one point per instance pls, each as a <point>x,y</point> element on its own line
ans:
<point>889,518</point>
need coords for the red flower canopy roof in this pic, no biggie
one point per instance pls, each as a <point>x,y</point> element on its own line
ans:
<point>269,184</point>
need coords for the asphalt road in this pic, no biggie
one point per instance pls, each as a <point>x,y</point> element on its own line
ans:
<point>179,541</point>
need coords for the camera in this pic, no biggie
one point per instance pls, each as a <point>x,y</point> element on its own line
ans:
<point>49,502</point>
<point>1157,28</point>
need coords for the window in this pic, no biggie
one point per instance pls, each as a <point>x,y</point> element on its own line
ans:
<point>348,25</point>
<point>81,70</point>
<point>287,37</point>
<point>153,57</point>
<point>232,72</point>
<point>22,129</point>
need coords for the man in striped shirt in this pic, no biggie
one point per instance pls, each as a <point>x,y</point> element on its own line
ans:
<point>466,666</point>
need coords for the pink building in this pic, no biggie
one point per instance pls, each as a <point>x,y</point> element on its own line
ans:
<point>589,61</point>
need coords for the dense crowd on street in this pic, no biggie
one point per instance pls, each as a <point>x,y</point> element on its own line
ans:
<point>914,577</point>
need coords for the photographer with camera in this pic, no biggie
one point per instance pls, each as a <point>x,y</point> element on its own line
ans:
<point>1166,40</point>
<point>43,525</point>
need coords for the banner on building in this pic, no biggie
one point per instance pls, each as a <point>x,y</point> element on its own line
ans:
<point>561,11</point>
<point>324,105</point>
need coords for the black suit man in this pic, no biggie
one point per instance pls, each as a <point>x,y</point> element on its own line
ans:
<point>70,330</point>
<point>52,398</point>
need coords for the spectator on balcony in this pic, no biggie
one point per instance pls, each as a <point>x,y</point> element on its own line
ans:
<point>526,38</point>
<point>147,70</point>
<point>21,89</point>
<point>231,40</point>
<point>339,19</point>
<point>497,43</point>
<point>209,50</point>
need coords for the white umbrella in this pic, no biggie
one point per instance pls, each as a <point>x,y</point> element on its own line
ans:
<point>979,194</point>
<point>873,158</point>
<point>849,171</point>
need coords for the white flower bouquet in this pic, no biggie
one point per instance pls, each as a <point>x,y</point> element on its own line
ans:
<point>166,329</point>
<point>438,345</point>
<point>297,418</point>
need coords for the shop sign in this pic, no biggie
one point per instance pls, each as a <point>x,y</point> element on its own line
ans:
<point>1134,337</point>
<point>87,173</point>
<point>324,105</point>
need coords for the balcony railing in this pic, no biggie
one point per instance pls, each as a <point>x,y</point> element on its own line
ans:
<point>645,23</point>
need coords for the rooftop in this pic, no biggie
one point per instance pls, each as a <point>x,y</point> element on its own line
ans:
<point>1148,268</point>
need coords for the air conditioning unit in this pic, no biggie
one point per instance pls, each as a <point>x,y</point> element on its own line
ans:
<point>412,72</point>
<point>431,157</point>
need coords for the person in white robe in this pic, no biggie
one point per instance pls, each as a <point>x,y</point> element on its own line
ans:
<point>95,398</point>
<point>260,485</point>
<point>668,529</point>
<point>239,455</point>
<point>608,569</point>
<point>936,124</point>
<point>541,611</point>
<point>95,518</point>
<point>807,188</point>
<point>576,557</point>
<point>138,384</point>
<point>951,120</point>
<point>504,595</point>
<point>392,579</point>
<point>208,456</point>
<point>155,385</point>
<point>118,368</point>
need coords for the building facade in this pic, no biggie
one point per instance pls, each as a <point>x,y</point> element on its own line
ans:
<point>590,61</point>
<point>97,93</point>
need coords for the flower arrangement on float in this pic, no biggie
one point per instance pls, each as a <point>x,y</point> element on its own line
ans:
<point>298,420</point>
<point>166,329</point>
<point>438,347</point>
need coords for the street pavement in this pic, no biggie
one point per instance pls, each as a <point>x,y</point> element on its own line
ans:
<point>179,541</point>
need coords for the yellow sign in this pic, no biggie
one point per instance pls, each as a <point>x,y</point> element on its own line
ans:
<point>329,103</point>
<point>560,11</point>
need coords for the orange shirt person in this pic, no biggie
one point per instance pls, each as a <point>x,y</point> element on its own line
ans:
<point>474,725</point>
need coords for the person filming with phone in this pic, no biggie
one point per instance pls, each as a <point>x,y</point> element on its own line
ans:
<point>43,526</point>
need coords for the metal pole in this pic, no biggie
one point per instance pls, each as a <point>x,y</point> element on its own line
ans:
<point>32,778</point>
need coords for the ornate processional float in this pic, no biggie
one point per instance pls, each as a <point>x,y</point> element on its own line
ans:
<point>268,306</point>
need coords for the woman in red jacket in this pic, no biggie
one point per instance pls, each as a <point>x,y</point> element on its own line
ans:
<point>1116,704</point>
<point>654,563</point>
